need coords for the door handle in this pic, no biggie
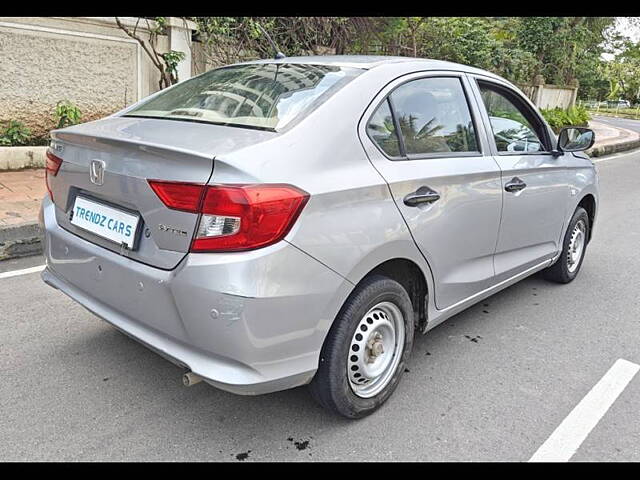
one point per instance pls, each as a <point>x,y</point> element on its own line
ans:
<point>422,195</point>
<point>514,185</point>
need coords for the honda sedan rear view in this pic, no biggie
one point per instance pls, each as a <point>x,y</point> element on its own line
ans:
<point>296,221</point>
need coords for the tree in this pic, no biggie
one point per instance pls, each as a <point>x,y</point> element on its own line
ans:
<point>166,63</point>
<point>231,39</point>
<point>561,49</point>
<point>623,73</point>
<point>483,42</point>
<point>561,45</point>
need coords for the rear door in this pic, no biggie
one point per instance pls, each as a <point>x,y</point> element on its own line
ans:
<point>444,184</point>
<point>534,182</point>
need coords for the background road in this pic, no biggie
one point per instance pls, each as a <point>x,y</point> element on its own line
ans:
<point>491,383</point>
<point>619,122</point>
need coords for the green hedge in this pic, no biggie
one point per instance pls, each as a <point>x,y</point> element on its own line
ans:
<point>565,117</point>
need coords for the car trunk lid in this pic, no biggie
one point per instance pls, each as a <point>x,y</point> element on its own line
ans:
<point>131,152</point>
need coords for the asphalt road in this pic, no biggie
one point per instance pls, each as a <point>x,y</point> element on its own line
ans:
<point>491,383</point>
<point>627,123</point>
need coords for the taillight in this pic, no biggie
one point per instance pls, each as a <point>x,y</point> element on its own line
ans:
<point>179,196</point>
<point>235,217</point>
<point>51,169</point>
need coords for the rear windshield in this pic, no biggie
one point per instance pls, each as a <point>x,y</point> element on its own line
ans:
<point>267,96</point>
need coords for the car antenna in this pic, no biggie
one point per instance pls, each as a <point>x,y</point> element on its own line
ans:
<point>279,54</point>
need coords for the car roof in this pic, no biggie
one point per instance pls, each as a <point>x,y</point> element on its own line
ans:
<point>357,61</point>
<point>368,62</point>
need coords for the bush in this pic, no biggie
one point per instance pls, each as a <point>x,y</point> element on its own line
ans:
<point>15,133</point>
<point>560,117</point>
<point>67,114</point>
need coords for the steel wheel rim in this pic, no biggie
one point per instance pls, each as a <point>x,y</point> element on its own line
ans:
<point>576,246</point>
<point>375,349</point>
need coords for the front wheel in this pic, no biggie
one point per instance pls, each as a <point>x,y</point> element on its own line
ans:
<point>574,246</point>
<point>364,355</point>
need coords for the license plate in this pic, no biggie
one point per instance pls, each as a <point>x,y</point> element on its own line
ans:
<point>107,222</point>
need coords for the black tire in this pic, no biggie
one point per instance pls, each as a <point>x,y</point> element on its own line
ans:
<point>559,272</point>
<point>330,386</point>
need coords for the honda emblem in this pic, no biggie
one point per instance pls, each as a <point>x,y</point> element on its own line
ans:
<point>96,172</point>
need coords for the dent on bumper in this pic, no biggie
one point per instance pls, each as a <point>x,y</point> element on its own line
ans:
<point>248,322</point>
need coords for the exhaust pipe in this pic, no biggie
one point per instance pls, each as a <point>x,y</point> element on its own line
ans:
<point>189,379</point>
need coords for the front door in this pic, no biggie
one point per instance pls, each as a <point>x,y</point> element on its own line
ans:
<point>534,182</point>
<point>447,190</point>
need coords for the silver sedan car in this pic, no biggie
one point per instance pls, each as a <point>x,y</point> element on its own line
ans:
<point>277,223</point>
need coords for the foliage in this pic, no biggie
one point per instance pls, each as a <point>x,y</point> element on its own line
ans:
<point>39,141</point>
<point>171,59</point>
<point>561,49</point>
<point>559,117</point>
<point>594,82</point>
<point>623,73</point>
<point>66,114</point>
<point>15,133</point>
<point>232,39</point>
<point>518,48</point>
<point>165,63</point>
<point>481,42</point>
<point>561,44</point>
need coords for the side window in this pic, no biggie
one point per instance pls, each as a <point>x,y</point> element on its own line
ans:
<point>433,116</point>
<point>382,131</point>
<point>512,131</point>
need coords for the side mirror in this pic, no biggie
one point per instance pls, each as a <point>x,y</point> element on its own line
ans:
<point>575,139</point>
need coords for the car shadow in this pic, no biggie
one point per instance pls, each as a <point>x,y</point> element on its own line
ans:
<point>529,289</point>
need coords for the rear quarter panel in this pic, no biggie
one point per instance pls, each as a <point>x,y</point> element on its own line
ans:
<point>350,223</point>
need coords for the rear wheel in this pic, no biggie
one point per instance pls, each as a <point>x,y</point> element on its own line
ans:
<point>574,246</point>
<point>364,355</point>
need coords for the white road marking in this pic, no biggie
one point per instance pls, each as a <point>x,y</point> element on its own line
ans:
<point>25,271</point>
<point>567,438</point>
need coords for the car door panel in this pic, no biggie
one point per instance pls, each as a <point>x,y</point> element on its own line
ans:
<point>532,217</point>
<point>456,233</point>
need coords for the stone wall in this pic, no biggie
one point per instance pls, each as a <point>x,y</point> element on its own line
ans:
<point>86,60</point>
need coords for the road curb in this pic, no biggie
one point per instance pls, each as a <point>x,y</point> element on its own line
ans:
<point>600,150</point>
<point>18,158</point>
<point>629,140</point>
<point>20,240</point>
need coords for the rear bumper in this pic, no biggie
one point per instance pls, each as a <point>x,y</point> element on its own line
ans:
<point>247,322</point>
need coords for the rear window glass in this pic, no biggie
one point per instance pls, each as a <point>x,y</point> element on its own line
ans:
<point>434,116</point>
<point>268,96</point>
<point>382,130</point>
